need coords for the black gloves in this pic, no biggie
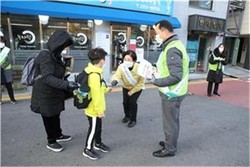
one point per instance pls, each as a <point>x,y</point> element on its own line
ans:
<point>114,83</point>
<point>72,86</point>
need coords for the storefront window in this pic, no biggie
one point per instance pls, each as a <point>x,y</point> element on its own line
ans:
<point>25,30</point>
<point>119,39</point>
<point>139,34</point>
<point>139,38</point>
<point>154,49</point>
<point>51,27</point>
<point>82,35</point>
<point>205,4</point>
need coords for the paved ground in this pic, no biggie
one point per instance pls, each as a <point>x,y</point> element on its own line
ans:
<point>233,91</point>
<point>214,132</point>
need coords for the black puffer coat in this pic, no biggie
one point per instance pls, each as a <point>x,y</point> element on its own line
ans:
<point>216,76</point>
<point>48,92</point>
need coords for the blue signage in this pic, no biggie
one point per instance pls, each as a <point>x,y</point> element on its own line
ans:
<point>192,51</point>
<point>164,7</point>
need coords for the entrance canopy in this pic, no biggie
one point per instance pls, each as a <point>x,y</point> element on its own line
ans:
<point>78,11</point>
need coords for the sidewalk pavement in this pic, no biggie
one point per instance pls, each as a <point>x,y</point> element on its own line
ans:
<point>230,72</point>
<point>213,132</point>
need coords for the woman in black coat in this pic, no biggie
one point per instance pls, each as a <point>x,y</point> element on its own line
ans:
<point>215,74</point>
<point>48,91</point>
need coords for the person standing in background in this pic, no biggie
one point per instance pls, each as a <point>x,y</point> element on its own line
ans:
<point>132,86</point>
<point>6,69</point>
<point>172,79</point>
<point>215,74</point>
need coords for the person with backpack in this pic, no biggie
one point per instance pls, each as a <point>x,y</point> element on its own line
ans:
<point>48,94</point>
<point>95,111</point>
<point>6,69</point>
<point>132,86</point>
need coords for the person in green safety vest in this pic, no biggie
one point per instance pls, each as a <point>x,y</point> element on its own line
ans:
<point>171,77</point>
<point>215,74</point>
<point>6,69</point>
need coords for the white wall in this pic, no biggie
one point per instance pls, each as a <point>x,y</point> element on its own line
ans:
<point>219,10</point>
<point>102,37</point>
<point>181,13</point>
<point>245,22</point>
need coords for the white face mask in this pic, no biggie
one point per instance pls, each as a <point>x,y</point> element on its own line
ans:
<point>64,52</point>
<point>158,39</point>
<point>2,45</point>
<point>128,64</point>
<point>221,50</point>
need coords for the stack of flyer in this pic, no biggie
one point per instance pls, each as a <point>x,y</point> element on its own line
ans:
<point>145,69</point>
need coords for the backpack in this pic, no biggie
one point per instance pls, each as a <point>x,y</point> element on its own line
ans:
<point>28,75</point>
<point>82,100</point>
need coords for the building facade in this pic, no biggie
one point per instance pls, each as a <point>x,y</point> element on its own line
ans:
<point>115,26</point>
<point>237,33</point>
<point>203,24</point>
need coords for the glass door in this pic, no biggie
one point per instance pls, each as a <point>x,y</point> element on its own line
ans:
<point>119,43</point>
<point>203,54</point>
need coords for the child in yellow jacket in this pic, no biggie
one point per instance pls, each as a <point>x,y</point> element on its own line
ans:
<point>96,109</point>
<point>132,84</point>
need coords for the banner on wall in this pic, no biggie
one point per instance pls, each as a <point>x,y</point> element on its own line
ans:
<point>132,45</point>
<point>192,51</point>
<point>140,54</point>
<point>164,7</point>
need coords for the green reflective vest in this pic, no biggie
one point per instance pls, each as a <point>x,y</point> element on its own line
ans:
<point>181,87</point>
<point>4,62</point>
<point>216,66</point>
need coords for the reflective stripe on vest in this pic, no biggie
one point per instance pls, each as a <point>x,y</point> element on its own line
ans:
<point>217,66</point>
<point>180,88</point>
<point>4,57</point>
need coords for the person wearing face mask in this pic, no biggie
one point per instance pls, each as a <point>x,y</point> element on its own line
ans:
<point>215,74</point>
<point>6,69</point>
<point>48,93</point>
<point>172,75</point>
<point>132,86</point>
<point>95,111</point>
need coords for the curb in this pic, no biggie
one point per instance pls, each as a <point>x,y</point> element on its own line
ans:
<point>27,96</point>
